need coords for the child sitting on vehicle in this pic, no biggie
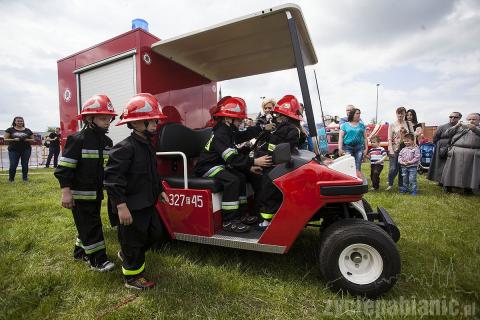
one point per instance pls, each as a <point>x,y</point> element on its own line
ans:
<point>377,155</point>
<point>408,158</point>
<point>288,130</point>
<point>133,186</point>
<point>221,160</point>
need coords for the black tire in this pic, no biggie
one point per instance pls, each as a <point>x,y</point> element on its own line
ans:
<point>367,206</point>
<point>364,240</point>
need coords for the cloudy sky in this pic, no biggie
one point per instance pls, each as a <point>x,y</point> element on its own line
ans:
<point>424,53</point>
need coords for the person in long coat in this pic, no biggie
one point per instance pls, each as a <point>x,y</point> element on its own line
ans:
<point>441,140</point>
<point>462,169</point>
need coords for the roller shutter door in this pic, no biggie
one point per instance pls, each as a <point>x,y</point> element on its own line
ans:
<point>117,81</point>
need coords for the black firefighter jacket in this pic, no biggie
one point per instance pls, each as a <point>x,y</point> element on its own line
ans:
<point>220,151</point>
<point>131,175</point>
<point>286,132</point>
<point>82,162</point>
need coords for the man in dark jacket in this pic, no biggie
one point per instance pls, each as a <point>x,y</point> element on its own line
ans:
<point>221,160</point>
<point>440,139</point>
<point>134,187</point>
<point>80,173</point>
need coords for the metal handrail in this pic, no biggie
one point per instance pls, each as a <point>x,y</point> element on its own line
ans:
<point>185,171</point>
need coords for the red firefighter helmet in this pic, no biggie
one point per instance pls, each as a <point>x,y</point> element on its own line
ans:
<point>232,107</point>
<point>142,106</point>
<point>97,104</point>
<point>289,106</point>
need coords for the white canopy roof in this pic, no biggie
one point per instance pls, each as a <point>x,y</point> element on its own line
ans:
<point>253,44</point>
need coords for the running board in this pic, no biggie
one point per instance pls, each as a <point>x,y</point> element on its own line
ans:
<point>224,239</point>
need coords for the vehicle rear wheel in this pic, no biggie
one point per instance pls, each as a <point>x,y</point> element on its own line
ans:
<point>359,257</point>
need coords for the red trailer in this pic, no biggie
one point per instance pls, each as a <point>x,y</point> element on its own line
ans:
<point>357,250</point>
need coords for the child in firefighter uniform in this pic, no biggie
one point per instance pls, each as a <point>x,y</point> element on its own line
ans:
<point>133,186</point>
<point>80,173</point>
<point>221,160</point>
<point>288,130</point>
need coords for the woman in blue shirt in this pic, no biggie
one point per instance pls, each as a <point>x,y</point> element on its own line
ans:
<point>353,138</point>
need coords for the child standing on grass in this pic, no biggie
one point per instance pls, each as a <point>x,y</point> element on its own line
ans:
<point>377,155</point>
<point>408,158</point>
<point>80,173</point>
<point>134,187</point>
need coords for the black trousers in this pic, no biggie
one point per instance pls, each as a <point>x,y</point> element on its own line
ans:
<point>143,234</point>
<point>375,171</point>
<point>256,180</point>
<point>86,215</point>
<point>234,197</point>
<point>53,151</point>
<point>270,197</point>
<point>112,214</point>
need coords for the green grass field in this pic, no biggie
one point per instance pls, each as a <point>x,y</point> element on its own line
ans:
<point>439,247</point>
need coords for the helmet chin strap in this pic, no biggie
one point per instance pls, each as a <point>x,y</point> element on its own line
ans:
<point>95,127</point>
<point>147,134</point>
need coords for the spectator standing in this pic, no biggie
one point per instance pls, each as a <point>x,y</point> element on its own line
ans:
<point>440,139</point>
<point>377,156</point>
<point>462,168</point>
<point>353,138</point>
<point>54,147</point>
<point>19,148</point>
<point>408,158</point>
<point>396,132</point>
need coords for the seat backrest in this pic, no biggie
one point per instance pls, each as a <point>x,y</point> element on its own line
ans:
<point>177,137</point>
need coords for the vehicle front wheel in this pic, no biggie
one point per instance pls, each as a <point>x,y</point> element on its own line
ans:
<point>359,257</point>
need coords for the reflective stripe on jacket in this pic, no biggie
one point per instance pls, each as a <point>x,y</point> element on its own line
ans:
<point>221,150</point>
<point>82,162</point>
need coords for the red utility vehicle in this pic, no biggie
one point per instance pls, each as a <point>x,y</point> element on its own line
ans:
<point>357,250</point>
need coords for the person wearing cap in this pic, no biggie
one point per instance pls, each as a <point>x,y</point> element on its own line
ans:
<point>288,113</point>
<point>134,187</point>
<point>221,161</point>
<point>80,173</point>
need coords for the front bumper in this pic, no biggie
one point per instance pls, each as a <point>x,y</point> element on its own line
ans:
<point>352,190</point>
<point>383,220</point>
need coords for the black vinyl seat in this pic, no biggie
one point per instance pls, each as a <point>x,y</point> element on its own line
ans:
<point>177,137</point>
<point>195,183</point>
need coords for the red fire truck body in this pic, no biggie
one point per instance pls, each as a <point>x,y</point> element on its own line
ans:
<point>126,65</point>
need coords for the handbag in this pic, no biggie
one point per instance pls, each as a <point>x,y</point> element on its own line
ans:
<point>443,151</point>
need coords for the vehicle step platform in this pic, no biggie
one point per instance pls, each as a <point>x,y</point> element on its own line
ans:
<point>246,241</point>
